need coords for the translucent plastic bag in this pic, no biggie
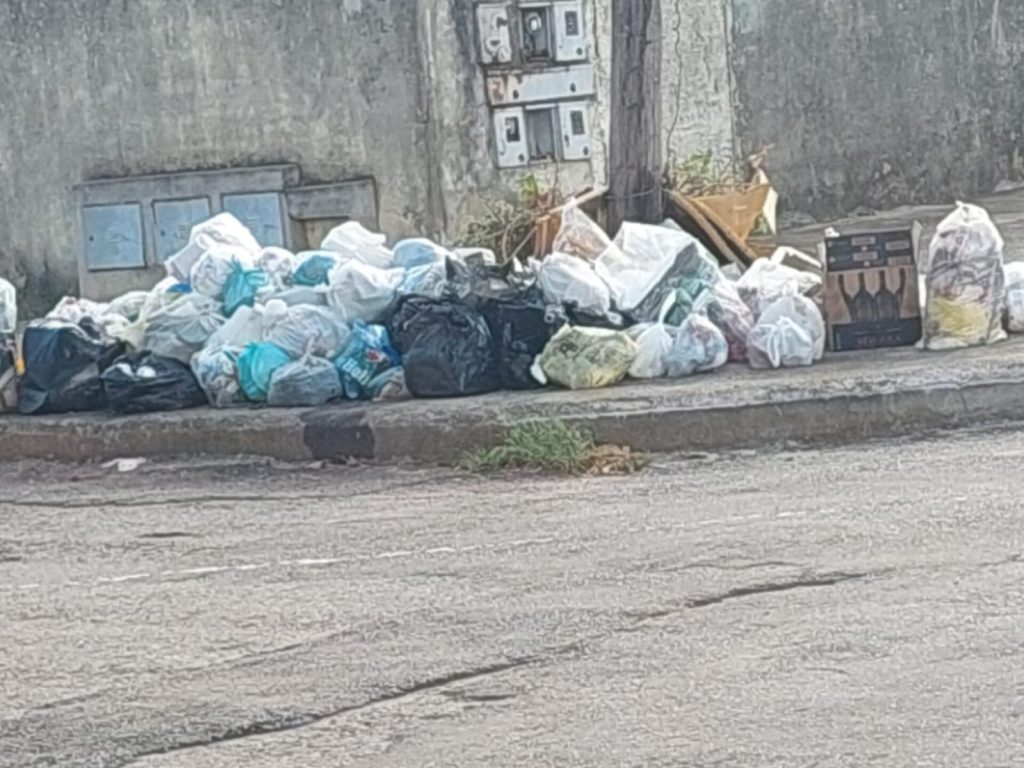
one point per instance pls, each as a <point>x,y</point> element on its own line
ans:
<point>216,370</point>
<point>697,346</point>
<point>580,236</point>
<point>220,231</point>
<point>585,358</point>
<point>71,309</point>
<point>256,368</point>
<point>279,265</point>
<point>129,305</point>
<point>1015,297</point>
<point>654,343</point>
<point>242,288</point>
<point>389,385</point>
<point>364,292</point>
<point>645,255</point>
<point>429,280</point>
<point>354,241</point>
<point>182,328</point>
<point>213,269</point>
<point>314,268</point>
<point>965,282</point>
<point>8,307</point>
<point>306,383</point>
<point>570,281</point>
<point>765,282</point>
<point>367,354</point>
<point>790,334</point>
<point>300,330</point>
<point>419,252</point>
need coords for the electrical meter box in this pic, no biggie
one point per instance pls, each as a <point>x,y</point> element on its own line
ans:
<point>538,79</point>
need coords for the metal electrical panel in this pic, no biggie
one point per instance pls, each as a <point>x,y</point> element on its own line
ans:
<point>546,85</point>
<point>495,34</point>
<point>174,222</point>
<point>262,214</point>
<point>113,237</point>
<point>538,79</point>
<point>575,131</point>
<point>511,138</point>
<point>570,31</point>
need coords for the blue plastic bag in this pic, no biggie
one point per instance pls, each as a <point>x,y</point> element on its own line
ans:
<point>256,367</point>
<point>242,287</point>
<point>367,354</point>
<point>314,270</point>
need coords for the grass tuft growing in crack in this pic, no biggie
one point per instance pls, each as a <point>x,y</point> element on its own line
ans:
<point>553,447</point>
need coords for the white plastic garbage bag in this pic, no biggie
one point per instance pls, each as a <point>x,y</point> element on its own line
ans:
<point>8,308</point>
<point>569,280</point>
<point>354,241</point>
<point>222,230</point>
<point>1015,297</point>
<point>585,358</point>
<point>243,328</point>
<point>644,255</point>
<point>653,342</point>
<point>430,280</point>
<point>308,382</point>
<point>965,282</point>
<point>128,305</point>
<point>279,265</point>
<point>216,370</point>
<point>419,252</point>
<point>300,294</point>
<point>182,328</point>
<point>302,330</point>
<point>697,346</point>
<point>73,310</point>
<point>214,267</point>
<point>766,281</point>
<point>580,236</point>
<point>362,291</point>
<point>790,334</point>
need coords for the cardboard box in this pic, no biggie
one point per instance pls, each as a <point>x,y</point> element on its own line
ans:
<point>872,294</point>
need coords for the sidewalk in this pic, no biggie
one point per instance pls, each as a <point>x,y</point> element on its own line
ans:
<point>847,398</point>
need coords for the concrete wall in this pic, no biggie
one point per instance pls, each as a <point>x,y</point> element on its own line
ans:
<point>96,88</point>
<point>877,103</point>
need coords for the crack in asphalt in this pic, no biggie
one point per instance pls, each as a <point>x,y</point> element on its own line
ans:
<point>135,503</point>
<point>828,580</point>
<point>294,722</point>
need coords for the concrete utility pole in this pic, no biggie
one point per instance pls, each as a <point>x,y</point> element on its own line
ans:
<point>635,152</point>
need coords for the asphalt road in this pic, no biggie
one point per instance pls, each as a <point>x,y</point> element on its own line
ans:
<point>856,607</point>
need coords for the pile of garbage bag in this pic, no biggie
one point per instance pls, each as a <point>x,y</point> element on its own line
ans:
<point>234,324</point>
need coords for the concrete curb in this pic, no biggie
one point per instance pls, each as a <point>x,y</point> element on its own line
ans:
<point>847,399</point>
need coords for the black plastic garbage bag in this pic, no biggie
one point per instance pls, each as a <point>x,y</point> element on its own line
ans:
<point>63,364</point>
<point>145,383</point>
<point>521,330</point>
<point>473,280</point>
<point>446,347</point>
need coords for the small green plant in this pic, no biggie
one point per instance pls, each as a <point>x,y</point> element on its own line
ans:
<point>553,447</point>
<point>537,445</point>
<point>701,175</point>
<point>507,228</point>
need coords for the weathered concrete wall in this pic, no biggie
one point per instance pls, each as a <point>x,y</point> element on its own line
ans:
<point>877,103</point>
<point>92,89</point>
<point>697,109</point>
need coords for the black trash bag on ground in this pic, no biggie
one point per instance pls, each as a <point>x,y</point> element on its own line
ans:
<point>146,383</point>
<point>473,280</point>
<point>446,347</point>
<point>521,330</point>
<point>63,364</point>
